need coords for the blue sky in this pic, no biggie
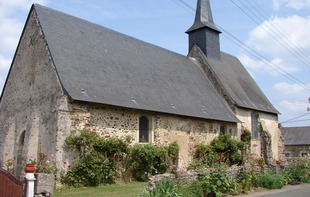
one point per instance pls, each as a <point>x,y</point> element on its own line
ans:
<point>272,37</point>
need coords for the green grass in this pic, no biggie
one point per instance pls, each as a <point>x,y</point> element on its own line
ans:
<point>115,190</point>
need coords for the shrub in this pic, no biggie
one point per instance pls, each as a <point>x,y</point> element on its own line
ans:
<point>101,159</point>
<point>111,147</point>
<point>271,180</point>
<point>298,173</point>
<point>246,137</point>
<point>95,169</point>
<point>214,182</point>
<point>205,154</point>
<point>84,143</point>
<point>146,160</point>
<point>231,149</point>
<point>173,152</point>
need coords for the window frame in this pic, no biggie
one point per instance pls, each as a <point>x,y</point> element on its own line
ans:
<point>288,154</point>
<point>144,129</point>
<point>255,125</point>
<point>303,152</point>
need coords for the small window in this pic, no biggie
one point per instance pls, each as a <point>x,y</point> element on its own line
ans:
<point>304,154</point>
<point>143,129</point>
<point>222,130</point>
<point>287,154</point>
<point>254,121</point>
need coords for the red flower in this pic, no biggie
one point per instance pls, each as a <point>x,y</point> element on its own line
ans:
<point>65,163</point>
<point>69,166</point>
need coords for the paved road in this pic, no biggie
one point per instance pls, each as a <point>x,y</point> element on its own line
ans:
<point>288,191</point>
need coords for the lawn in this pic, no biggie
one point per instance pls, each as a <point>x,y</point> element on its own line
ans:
<point>116,190</point>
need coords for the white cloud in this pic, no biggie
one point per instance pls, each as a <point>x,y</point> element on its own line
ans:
<point>295,4</point>
<point>290,33</point>
<point>289,89</point>
<point>293,102</point>
<point>270,67</point>
<point>10,30</point>
<point>294,106</point>
<point>283,53</point>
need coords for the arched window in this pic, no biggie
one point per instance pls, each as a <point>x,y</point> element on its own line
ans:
<point>254,117</point>
<point>222,130</point>
<point>143,129</point>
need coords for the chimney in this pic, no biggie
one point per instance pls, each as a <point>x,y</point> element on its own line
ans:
<point>204,33</point>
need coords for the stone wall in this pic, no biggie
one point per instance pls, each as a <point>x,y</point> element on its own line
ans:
<point>295,151</point>
<point>270,124</point>
<point>28,103</point>
<point>109,121</point>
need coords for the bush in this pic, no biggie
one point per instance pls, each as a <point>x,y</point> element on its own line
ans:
<point>111,147</point>
<point>214,182</point>
<point>95,169</point>
<point>298,173</point>
<point>101,159</point>
<point>205,154</point>
<point>84,143</point>
<point>146,160</point>
<point>222,149</point>
<point>271,180</point>
<point>229,148</point>
<point>246,137</point>
<point>173,152</point>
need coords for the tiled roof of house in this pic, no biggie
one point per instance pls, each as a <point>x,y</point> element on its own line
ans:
<point>239,84</point>
<point>96,64</point>
<point>296,135</point>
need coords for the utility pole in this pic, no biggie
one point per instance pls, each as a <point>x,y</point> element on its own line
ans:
<point>309,102</point>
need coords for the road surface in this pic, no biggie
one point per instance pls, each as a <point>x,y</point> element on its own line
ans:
<point>288,191</point>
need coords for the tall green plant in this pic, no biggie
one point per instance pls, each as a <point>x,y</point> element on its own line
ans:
<point>205,155</point>
<point>173,151</point>
<point>271,180</point>
<point>246,137</point>
<point>93,170</point>
<point>147,159</point>
<point>164,188</point>
<point>214,182</point>
<point>83,143</point>
<point>100,159</point>
<point>229,148</point>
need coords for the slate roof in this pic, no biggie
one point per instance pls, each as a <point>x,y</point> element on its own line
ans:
<point>239,84</point>
<point>296,135</point>
<point>98,65</point>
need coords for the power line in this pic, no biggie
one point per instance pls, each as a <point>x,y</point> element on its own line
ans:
<point>253,52</point>
<point>275,33</point>
<point>263,59</point>
<point>183,4</point>
<point>264,14</point>
<point>290,120</point>
<point>296,121</point>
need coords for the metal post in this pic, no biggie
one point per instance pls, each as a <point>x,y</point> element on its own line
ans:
<point>29,177</point>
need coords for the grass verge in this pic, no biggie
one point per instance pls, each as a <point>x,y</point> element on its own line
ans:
<point>115,190</point>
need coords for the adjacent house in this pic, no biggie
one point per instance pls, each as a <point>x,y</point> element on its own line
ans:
<point>296,141</point>
<point>69,74</point>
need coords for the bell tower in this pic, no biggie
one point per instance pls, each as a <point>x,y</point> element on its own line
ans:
<point>203,32</point>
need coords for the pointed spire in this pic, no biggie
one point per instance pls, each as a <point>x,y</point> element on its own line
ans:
<point>203,17</point>
<point>204,33</point>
